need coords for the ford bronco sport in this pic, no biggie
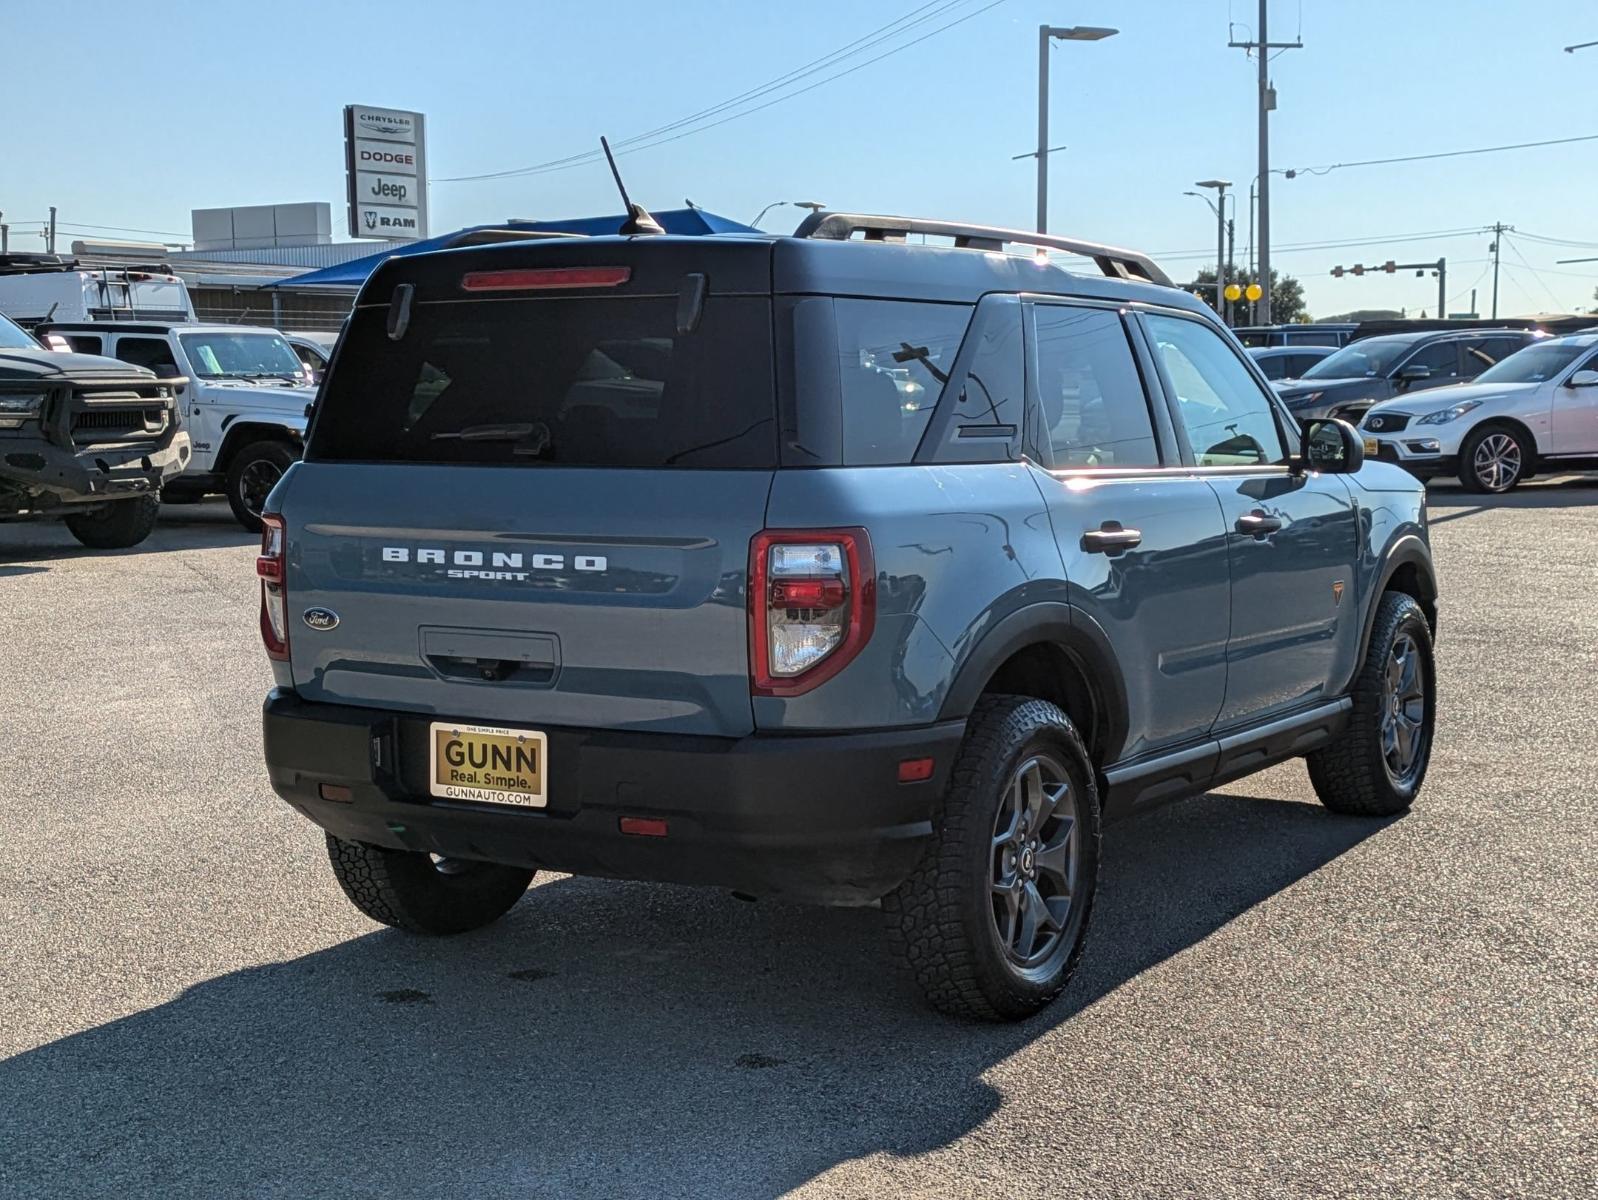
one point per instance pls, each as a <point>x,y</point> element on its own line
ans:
<point>826,567</point>
<point>84,440</point>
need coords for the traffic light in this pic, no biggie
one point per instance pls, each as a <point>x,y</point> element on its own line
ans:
<point>1337,272</point>
<point>1390,266</point>
<point>1359,269</point>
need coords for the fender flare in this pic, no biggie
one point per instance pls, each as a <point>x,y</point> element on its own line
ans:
<point>1407,549</point>
<point>1079,637</point>
<point>250,429</point>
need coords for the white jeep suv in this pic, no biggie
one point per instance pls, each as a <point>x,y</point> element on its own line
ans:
<point>1538,409</point>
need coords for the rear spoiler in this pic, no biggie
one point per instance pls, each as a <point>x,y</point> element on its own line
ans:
<point>1115,263</point>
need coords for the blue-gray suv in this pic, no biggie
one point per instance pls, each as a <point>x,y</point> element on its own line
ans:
<point>829,567</point>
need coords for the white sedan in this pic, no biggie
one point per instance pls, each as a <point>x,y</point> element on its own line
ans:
<point>1536,410</point>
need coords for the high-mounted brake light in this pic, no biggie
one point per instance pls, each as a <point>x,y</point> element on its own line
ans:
<point>544,279</point>
<point>274,587</point>
<point>812,606</point>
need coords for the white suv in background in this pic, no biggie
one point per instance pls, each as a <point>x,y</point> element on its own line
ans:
<point>1536,410</point>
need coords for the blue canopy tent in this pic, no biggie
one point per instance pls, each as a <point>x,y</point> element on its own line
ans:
<point>692,222</point>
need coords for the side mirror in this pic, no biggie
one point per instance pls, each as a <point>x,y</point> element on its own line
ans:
<point>1583,378</point>
<point>1413,373</point>
<point>1333,447</point>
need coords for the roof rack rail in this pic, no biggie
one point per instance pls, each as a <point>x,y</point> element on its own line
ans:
<point>1118,264</point>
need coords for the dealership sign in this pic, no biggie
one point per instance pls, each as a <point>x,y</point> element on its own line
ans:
<point>385,165</point>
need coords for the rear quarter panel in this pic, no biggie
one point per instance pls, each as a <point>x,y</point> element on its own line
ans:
<point>957,549</point>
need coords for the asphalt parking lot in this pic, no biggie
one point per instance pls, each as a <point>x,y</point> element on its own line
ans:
<point>1274,1001</point>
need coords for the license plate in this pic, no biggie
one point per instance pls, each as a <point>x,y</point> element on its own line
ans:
<point>1372,447</point>
<point>487,764</point>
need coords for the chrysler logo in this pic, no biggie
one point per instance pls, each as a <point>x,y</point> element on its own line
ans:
<point>321,618</point>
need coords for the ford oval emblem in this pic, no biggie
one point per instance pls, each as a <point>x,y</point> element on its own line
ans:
<point>321,618</point>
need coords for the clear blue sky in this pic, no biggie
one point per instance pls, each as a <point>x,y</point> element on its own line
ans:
<point>131,116</point>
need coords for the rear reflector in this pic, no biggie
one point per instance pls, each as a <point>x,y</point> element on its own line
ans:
<point>643,826</point>
<point>915,770</point>
<point>544,278</point>
<point>336,791</point>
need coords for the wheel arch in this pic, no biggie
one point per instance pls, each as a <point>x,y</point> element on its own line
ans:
<point>1406,567</point>
<point>1514,425</point>
<point>1052,652</point>
<point>243,433</point>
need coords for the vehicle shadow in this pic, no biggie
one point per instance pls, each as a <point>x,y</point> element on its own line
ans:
<point>1453,503</point>
<point>180,527</point>
<point>604,1040</point>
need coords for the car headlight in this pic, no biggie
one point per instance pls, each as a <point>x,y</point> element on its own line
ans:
<point>1450,414</point>
<point>26,404</point>
<point>1306,399</point>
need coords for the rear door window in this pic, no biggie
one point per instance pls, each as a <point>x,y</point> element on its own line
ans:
<point>85,343</point>
<point>894,358</point>
<point>1488,352</point>
<point>587,381</point>
<point>155,354</point>
<point>1094,410</point>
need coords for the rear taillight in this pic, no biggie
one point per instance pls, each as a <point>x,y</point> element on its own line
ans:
<point>812,606</point>
<point>270,566</point>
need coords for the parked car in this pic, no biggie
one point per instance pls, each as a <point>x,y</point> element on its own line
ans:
<point>87,441</point>
<point>1536,410</point>
<point>826,567</point>
<point>1287,362</point>
<point>36,288</point>
<point>314,352</point>
<point>1310,333</point>
<point>1374,369</point>
<point>243,399</point>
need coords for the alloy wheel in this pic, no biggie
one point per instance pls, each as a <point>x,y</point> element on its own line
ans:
<point>1497,462</point>
<point>1403,726</point>
<point>1035,857</point>
<point>256,482</point>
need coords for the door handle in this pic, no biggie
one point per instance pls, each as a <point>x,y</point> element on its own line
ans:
<point>1257,524</point>
<point>1111,538</point>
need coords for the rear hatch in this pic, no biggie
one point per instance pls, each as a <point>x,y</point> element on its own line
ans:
<point>531,484</point>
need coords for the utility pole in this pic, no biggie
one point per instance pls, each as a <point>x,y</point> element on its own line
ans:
<point>1231,250</point>
<point>1498,237</point>
<point>1267,102</point>
<point>50,241</point>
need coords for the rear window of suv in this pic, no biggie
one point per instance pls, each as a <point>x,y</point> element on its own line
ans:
<point>572,381</point>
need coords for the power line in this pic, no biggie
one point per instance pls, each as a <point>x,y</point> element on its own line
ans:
<point>1533,270</point>
<point>1377,162</point>
<point>650,138</point>
<point>1339,244</point>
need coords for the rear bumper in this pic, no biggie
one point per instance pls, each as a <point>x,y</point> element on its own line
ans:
<point>817,817</point>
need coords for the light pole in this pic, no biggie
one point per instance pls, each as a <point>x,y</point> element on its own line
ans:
<point>1075,33</point>
<point>1220,186</point>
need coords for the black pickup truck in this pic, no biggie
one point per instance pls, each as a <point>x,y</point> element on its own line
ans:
<point>84,439</point>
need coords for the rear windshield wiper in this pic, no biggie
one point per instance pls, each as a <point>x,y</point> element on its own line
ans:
<point>531,438</point>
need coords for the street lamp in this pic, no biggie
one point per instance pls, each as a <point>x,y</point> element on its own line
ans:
<point>1075,33</point>
<point>1219,186</point>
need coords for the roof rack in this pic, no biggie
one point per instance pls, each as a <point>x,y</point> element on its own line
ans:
<point>1117,264</point>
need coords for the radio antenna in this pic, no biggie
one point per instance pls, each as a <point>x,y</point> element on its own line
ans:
<point>638,219</point>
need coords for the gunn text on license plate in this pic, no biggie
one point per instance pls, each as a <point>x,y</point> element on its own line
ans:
<point>489,765</point>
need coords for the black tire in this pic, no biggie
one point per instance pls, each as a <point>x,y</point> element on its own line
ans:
<point>1357,774</point>
<point>117,525</point>
<point>1508,456</point>
<point>251,475</point>
<point>944,922</point>
<point>414,892</point>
